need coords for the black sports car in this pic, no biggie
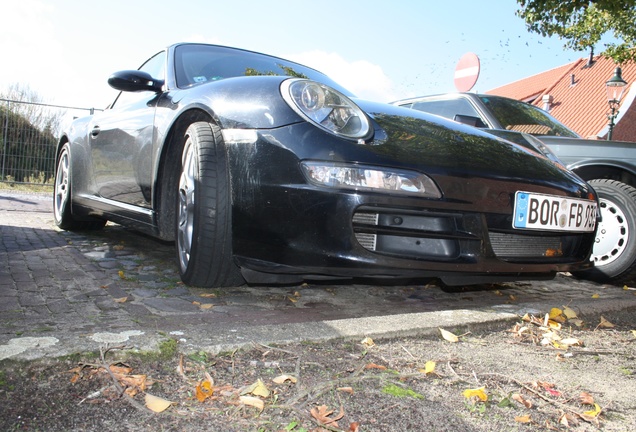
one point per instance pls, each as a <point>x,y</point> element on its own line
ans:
<point>266,171</point>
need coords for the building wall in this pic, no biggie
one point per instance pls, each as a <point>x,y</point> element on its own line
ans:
<point>625,130</point>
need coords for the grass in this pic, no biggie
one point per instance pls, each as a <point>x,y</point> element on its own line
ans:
<point>35,187</point>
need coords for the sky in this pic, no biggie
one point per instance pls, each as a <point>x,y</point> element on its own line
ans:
<point>64,50</point>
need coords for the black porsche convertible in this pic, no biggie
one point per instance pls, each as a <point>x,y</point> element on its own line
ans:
<point>266,171</point>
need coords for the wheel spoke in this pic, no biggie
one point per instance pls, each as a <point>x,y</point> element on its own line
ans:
<point>612,234</point>
<point>186,206</point>
<point>61,185</point>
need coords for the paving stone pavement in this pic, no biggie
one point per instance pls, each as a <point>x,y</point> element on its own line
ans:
<point>64,292</point>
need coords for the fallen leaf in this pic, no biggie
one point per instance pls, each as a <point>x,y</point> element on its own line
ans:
<point>550,337</point>
<point>282,378</point>
<point>121,274</point>
<point>257,389</point>
<point>569,313</point>
<point>253,402</point>
<point>568,342</point>
<point>595,296</point>
<point>564,420</point>
<point>132,381</point>
<point>375,366</point>
<point>554,324</point>
<point>586,399</point>
<point>156,404</point>
<point>368,342</point>
<point>345,389</point>
<point>555,314</point>
<point>523,419</point>
<point>577,322</point>
<point>322,414</point>
<point>593,413</point>
<point>121,300</point>
<point>208,295</point>
<point>354,427</point>
<point>450,337</point>
<point>429,368</point>
<point>479,393</point>
<point>523,401</point>
<point>605,323</point>
<point>122,369</point>
<point>206,306</point>
<point>204,390</point>
<point>549,388</point>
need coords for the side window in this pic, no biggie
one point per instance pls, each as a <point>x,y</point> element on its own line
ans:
<point>156,67</point>
<point>449,108</point>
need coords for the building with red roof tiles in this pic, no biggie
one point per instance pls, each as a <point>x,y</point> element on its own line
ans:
<point>575,95</point>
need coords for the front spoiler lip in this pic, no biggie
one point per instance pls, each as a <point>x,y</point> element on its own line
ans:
<point>259,271</point>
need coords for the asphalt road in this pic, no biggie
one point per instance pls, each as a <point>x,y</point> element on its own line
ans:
<point>63,293</point>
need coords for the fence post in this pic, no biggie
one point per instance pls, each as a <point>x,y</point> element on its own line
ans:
<point>5,134</point>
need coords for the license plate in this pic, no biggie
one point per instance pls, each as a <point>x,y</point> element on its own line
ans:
<point>553,213</point>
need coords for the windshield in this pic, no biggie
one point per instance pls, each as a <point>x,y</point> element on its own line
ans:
<point>197,64</point>
<point>522,117</point>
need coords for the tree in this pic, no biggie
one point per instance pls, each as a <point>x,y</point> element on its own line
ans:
<point>583,23</point>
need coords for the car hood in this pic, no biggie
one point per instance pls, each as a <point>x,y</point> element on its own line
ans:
<point>445,146</point>
<point>403,138</point>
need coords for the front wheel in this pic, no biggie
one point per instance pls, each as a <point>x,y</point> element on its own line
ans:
<point>203,223</point>
<point>614,252</point>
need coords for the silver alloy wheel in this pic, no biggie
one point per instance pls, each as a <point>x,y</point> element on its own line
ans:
<point>186,205</point>
<point>612,234</point>
<point>61,185</point>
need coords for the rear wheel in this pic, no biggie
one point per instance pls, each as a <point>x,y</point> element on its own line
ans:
<point>62,197</point>
<point>203,223</point>
<point>614,252</point>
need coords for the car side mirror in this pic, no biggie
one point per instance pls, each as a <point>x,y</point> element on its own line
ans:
<point>134,81</point>
<point>469,120</point>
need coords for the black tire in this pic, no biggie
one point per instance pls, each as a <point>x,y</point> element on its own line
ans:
<point>62,195</point>
<point>614,253</point>
<point>203,228</point>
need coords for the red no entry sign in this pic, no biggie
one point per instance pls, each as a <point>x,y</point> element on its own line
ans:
<point>466,72</point>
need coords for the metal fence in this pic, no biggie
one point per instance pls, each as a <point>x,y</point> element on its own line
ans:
<point>29,133</point>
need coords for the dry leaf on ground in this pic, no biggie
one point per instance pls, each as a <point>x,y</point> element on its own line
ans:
<point>448,335</point>
<point>156,403</point>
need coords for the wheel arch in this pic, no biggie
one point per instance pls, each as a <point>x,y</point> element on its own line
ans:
<point>168,175</point>
<point>608,170</point>
<point>63,140</point>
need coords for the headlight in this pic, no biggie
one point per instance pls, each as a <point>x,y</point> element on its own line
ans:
<point>326,108</point>
<point>360,177</point>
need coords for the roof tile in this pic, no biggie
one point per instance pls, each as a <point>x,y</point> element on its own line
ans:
<point>578,93</point>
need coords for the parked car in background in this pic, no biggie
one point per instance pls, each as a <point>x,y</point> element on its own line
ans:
<point>609,166</point>
<point>265,171</point>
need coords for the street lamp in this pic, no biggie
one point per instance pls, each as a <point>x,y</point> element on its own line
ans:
<point>614,88</point>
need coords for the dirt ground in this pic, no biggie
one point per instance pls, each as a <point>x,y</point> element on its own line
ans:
<point>576,374</point>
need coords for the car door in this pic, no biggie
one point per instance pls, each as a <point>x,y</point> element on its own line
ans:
<point>121,139</point>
